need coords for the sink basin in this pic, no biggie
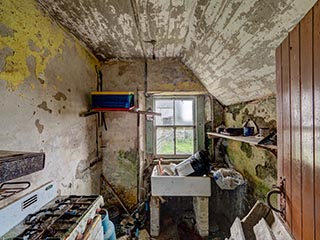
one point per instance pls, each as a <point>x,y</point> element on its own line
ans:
<point>179,185</point>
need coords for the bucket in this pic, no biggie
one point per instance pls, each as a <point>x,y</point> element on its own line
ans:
<point>110,234</point>
<point>196,165</point>
<point>105,219</point>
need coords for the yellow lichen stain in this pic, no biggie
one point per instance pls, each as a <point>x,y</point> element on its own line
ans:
<point>28,23</point>
<point>86,55</point>
<point>32,86</point>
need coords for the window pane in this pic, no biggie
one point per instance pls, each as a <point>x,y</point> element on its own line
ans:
<point>184,140</point>
<point>165,142</point>
<point>165,107</point>
<point>184,112</point>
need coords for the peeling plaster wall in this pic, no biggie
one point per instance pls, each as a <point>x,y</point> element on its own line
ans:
<point>166,75</point>
<point>106,27</point>
<point>258,166</point>
<point>120,141</point>
<point>229,45</point>
<point>45,75</point>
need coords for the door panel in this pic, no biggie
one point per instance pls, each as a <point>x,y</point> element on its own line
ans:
<point>298,108</point>
<point>307,126</point>
<point>296,130</point>
<point>286,126</point>
<point>316,78</point>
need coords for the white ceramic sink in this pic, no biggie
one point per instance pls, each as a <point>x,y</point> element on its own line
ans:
<point>179,185</point>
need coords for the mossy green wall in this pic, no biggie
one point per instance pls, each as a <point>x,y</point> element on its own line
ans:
<point>258,165</point>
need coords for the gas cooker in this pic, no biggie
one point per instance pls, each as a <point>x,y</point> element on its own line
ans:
<point>64,217</point>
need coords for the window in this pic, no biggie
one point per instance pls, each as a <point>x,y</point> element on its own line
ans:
<point>175,128</point>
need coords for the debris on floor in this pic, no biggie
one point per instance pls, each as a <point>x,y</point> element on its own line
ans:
<point>144,235</point>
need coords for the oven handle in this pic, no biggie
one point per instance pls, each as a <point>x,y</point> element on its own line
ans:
<point>16,187</point>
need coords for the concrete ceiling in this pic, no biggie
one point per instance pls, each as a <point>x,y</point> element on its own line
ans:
<point>228,44</point>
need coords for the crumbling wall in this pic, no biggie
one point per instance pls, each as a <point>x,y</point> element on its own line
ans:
<point>121,140</point>
<point>45,75</point>
<point>258,165</point>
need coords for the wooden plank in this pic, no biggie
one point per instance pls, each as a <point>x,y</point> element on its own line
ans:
<point>262,231</point>
<point>307,150</point>
<point>296,132</point>
<point>236,230</point>
<point>253,140</point>
<point>115,194</point>
<point>258,211</point>
<point>316,77</point>
<point>279,112</point>
<point>286,111</point>
<point>280,229</point>
<point>250,139</point>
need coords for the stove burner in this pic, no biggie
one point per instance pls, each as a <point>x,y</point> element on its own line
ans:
<point>31,219</point>
<point>56,220</point>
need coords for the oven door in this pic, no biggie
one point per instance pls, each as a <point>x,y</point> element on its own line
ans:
<point>94,231</point>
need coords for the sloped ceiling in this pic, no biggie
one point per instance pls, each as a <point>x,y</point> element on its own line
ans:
<point>229,45</point>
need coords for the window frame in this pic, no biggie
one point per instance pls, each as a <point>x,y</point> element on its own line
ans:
<point>174,126</point>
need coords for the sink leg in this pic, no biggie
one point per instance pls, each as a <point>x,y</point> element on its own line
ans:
<point>154,216</point>
<point>201,209</point>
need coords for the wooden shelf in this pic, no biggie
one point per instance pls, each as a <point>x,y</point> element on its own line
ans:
<point>250,139</point>
<point>130,110</point>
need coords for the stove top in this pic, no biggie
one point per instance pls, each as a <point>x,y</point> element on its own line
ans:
<point>65,217</point>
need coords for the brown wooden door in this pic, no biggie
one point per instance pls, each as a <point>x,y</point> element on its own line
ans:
<point>298,109</point>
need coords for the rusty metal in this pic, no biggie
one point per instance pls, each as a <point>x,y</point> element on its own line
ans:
<point>280,190</point>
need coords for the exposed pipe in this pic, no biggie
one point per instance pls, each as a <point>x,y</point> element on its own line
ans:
<point>152,41</point>
<point>137,23</point>
<point>145,78</point>
<point>212,108</point>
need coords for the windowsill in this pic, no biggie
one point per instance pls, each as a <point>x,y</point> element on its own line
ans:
<point>169,160</point>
